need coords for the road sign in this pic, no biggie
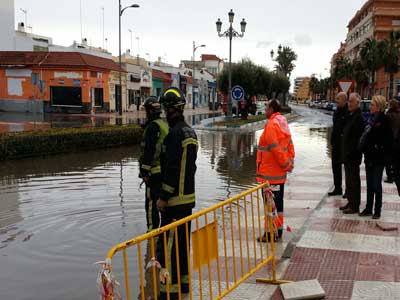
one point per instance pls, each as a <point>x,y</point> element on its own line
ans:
<point>346,85</point>
<point>237,93</point>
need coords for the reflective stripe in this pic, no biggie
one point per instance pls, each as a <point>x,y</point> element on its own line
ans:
<point>146,167</point>
<point>150,210</point>
<point>173,288</point>
<point>181,200</point>
<point>190,141</point>
<point>172,91</point>
<point>156,170</point>
<point>286,165</point>
<point>183,172</point>
<point>271,177</point>
<point>268,148</point>
<point>185,279</point>
<point>168,188</point>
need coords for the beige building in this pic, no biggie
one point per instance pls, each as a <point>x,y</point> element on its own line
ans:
<point>302,88</point>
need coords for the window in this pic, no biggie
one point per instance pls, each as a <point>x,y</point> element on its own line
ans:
<point>98,97</point>
<point>396,22</point>
<point>40,49</point>
<point>93,74</point>
<point>66,96</point>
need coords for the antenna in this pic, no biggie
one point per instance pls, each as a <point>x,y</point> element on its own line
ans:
<point>103,24</point>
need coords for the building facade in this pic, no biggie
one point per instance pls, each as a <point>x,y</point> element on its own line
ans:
<point>375,19</point>
<point>67,82</point>
<point>302,88</point>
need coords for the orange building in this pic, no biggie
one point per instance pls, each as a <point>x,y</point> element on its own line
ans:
<point>68,82</point>
<point>376,19</point>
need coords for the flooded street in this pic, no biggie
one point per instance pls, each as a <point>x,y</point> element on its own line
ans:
<point>60,214</point>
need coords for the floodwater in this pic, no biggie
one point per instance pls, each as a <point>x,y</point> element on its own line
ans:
<point>60,214</point>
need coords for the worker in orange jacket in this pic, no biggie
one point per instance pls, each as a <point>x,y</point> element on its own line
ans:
<point>275,158</point>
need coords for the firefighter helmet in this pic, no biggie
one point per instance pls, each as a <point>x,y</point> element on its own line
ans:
<point>152,105</point>
<point>173,97</point>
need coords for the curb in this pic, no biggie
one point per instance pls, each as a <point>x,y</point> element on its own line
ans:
<point>206,124</point>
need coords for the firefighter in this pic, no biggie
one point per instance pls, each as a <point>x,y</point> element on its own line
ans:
<point>150,170</point>
<point>177,199</point>
<point>275,158</point>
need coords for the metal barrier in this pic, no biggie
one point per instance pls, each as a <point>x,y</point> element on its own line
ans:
<point>222,253</point>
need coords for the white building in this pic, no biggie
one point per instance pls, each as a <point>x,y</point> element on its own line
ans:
<point>22,40</point>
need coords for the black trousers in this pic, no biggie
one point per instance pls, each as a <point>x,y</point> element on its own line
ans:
<point>170,215</point>
<point>153,189</point>
<point>396,173</point>
<point>374,172</point>
<point>337,169</point>
<point>353,184</point>
<point>278,199</point>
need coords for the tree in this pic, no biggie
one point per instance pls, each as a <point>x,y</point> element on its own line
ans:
<point>359,75</point>
<point>371,54</point>
<point>342,69</point>
<point>391,56</point>
<point>255,80</point>
<point>314,86</point>
<point>285,61</point>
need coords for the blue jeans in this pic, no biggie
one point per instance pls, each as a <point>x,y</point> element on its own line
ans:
<point>374,186</point>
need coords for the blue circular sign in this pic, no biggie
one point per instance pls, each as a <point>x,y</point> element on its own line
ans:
<point>237,93</point>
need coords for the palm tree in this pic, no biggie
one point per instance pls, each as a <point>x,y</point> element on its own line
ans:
<point>314,86</point>
<point>359,75</point>
<point>343,69</point>
<point>391,56</point>
<point>285,61</point>
<point>371,54</point>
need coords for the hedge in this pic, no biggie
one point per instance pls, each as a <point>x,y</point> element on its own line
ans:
<point>53,141</point>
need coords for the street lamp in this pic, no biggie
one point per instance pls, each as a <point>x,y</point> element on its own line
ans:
<point>230,33</point>
<point>194,71</point>
<point>119,98</point>
<point>131,49</point>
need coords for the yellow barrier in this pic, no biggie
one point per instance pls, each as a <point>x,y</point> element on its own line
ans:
<point>222,253</point>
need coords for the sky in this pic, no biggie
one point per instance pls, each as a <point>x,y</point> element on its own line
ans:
<point>167,28</point>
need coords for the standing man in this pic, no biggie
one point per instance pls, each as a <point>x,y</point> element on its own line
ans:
<point>352,155</point>
<point>177,199</point>
<point>150,170</point>
<point>275,157</point>
<point>339,121</point>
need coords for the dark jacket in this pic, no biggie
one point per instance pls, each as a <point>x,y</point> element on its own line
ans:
<point>178,165</point>
<point>378,140</point>
<point>340,117</point>
<point>351,137</point>
<point>394,119</point>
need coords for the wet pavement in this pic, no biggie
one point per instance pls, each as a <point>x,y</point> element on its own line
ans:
<point>60,214</point>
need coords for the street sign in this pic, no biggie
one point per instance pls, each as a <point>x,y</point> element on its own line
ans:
<point>346,85</point>
<point>237,93</point>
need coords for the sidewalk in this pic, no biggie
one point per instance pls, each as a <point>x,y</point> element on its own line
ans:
<point>350,256</point>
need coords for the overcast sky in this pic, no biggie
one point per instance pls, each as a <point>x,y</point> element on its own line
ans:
<point>167,28</point>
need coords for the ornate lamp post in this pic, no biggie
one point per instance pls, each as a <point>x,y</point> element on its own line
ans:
<point>230,33</point>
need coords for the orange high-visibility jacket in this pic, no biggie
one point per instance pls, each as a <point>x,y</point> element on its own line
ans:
<point>275,152</point>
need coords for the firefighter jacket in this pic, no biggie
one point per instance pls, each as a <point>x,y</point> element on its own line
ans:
<point>275,153</point>
<point>154,134</point>
<point>178,165</point>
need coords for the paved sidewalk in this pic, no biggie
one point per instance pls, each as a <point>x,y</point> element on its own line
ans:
<point>350,256</point>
